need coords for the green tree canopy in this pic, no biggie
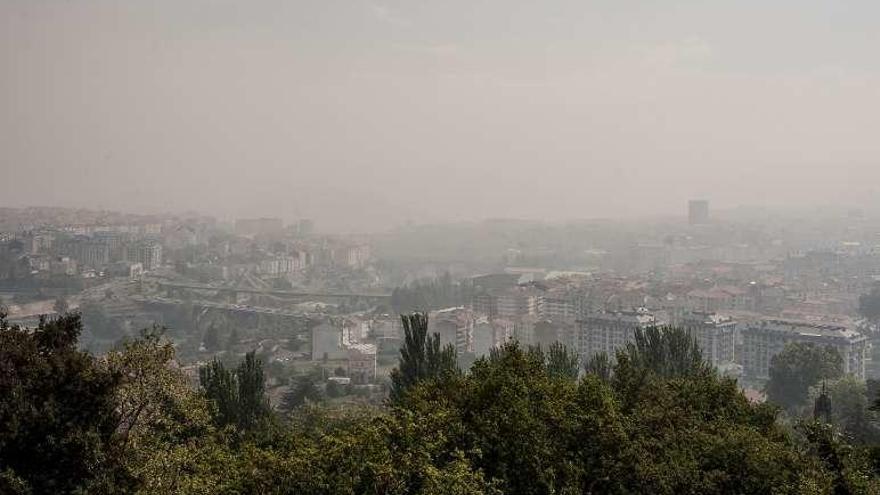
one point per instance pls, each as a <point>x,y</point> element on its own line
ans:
<point>797,368</point>
<point>600,366</point>
<point>421,356</point>
<point>303,389</point>
<point>561,362</point>
<point>58,416</point>
<point>690,432</point>
<point>851,411</point>
<point>665,351</point>
<point>238,396</point>
<point>517,423</point>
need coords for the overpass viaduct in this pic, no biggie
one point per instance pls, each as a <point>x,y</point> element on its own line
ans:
<point>176,289</point>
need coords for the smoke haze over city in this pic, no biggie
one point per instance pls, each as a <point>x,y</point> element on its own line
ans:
<point>367,114</point>
<point>439,247</point>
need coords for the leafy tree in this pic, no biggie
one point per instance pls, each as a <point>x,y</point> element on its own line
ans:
<point>528,432</point>
<point>457,477</point>
<point>253,403</point>
<point>57,413</point>
<point>221,388</point>
<point>514,412</point>
<point>335,389</point>
<point>599,365</point>
<point>157,408</point>
<point>239,396</point>
<point>421,356</point>
<point>849,468</point>
<point>851,413</point>
<point>12,484</point>
<point>665,351</point>
<point>797,368</point>
<point>517,423</point>
<point>561,362</point>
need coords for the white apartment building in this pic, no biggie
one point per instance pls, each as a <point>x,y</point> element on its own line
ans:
<point>716,336</point>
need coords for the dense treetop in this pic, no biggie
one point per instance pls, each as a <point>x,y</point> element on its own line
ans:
<point>653,419</point>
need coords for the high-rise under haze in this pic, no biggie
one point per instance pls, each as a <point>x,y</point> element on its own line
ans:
<point>698,212</point>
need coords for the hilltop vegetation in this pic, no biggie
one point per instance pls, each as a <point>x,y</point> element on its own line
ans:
<point>518,422</point>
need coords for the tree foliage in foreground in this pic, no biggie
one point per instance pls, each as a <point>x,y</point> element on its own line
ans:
<point>514,424</point>
<point>239,396</point>
<point>421,356</point>
<point>666,351</point>
<point>58,416</point>
<point>851,410</point>
<point>562,362</point>
<point>600,366</point>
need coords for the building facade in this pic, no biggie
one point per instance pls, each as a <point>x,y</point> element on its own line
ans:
<point>455,326</point>
<point>92,253</point>
<point>327,342</point>
<point>147,253</point>
<point>764,339</point>
<point>558,305</point>
<point>362,363</point>
<point>716,336</point>
<point>609,331</point>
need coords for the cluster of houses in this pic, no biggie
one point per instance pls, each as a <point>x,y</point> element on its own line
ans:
<point>741,316</point>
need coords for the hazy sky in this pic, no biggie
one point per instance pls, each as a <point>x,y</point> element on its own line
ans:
<point>365,113</point>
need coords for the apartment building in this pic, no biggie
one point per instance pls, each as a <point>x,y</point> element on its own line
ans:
<point>609,331</point>
<point>765,338</point>
<point>715,334</point>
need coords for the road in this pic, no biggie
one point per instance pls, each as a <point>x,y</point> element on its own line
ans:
<point>273,292</point>
<point>242,308</point>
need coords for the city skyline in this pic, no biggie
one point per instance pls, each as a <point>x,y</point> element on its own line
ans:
<point>365,115</point>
